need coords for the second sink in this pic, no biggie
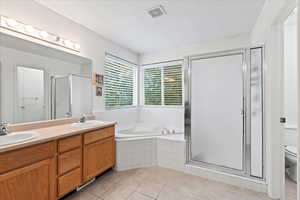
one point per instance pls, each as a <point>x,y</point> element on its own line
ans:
<point>88,123</point>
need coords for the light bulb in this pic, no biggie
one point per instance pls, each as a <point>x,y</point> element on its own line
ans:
<point>68,43</point>
<point>12,23</point>
<point>29,29</point>
<point>44,34</point>
<point>77,46</point>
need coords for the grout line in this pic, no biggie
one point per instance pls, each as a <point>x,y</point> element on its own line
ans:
<point>163,187</point>
<point>133,191</point>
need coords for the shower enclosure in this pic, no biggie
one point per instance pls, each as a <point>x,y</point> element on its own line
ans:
<point>71,96</point>
<point>224,111</point>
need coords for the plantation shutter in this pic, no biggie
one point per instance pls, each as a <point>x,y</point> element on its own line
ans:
<point>173,85</point>
<point>163,85</point>
<point>119,82</point>
<point>152,86</point>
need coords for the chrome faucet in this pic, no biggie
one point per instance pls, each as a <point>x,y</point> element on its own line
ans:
<point>4,129</point>
<point>82,119</point>
<point>165,131</point>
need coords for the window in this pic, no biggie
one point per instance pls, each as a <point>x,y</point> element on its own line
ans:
<point>120,82</point>
<point>152,86</point>
<point>163,85</point>
<point>173,85</point>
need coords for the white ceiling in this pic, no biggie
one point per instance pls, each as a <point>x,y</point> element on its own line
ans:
<point>187,22</point>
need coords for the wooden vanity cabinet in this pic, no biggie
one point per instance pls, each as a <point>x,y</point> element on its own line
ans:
<point>51,170</point>
<point>98,152</point>
<point>29,173</point>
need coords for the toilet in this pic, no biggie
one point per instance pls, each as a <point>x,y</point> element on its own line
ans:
<point>291,162</point>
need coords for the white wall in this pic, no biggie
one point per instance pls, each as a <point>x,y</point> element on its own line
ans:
<point>93,46</point>
<point>172,118</point>
<point>240,41</point>
<point>126,117</point>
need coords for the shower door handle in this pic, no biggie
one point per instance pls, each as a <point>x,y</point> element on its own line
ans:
<point>242,112</point>
<point>282,120</point>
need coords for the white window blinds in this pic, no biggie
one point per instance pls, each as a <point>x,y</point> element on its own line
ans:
<point>163,85</point>
<point>152,86</point>
<point>173,85</point>
<point>119,81</point>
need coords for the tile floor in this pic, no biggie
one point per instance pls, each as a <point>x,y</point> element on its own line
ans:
<point>291,189</point>
<point>156,183</point>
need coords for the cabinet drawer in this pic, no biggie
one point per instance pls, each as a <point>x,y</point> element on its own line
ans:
<point>26,156</point>
<point>69,143</point>
<point>99,134</point>
<point>69,160</point>
<point>69,182</point>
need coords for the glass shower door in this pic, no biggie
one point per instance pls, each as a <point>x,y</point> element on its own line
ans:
<point>217,110</point>
<point>71,96</point>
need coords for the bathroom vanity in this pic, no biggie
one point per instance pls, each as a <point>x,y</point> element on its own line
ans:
<point>61,159</point>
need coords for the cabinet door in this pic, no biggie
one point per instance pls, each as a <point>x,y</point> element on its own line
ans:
<point>34,182</point>
<point>98,157</point>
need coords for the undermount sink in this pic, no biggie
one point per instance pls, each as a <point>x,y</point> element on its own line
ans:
<point>88,123</point>
<point>17,137</point>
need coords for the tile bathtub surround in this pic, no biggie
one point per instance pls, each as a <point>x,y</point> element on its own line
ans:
<point>156,183</point>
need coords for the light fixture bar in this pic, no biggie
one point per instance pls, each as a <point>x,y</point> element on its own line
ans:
<point>17,26</point>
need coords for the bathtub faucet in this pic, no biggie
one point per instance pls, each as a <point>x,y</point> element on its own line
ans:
<point>4,129</point>
<point>165,131</point>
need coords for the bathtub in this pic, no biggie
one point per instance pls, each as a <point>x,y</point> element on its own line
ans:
<point>131,134</point>
<point>123,134</point>
<point>137,147</point>
<point>142,130</point>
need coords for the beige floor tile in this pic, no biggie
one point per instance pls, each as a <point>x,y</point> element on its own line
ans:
<point>138,196</point>
<point>162,184</point>
<point>151,189</point>
<point>100,186</point>
<point>291,189</point>
<point>120,190</point>
<point>170,193</point>
<point>82,196</point>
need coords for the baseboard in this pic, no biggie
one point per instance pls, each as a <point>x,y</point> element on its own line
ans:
<point>243,182</point>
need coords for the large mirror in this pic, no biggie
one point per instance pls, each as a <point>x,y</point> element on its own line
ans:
<point>40,83</point>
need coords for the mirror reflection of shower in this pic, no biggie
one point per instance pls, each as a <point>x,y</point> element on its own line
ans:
<point>290,105</point>
<point>71,96</point>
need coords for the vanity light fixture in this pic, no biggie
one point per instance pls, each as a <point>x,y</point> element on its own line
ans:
<point>29,29</point>
<point>44,34</point>
<point>26,29</point>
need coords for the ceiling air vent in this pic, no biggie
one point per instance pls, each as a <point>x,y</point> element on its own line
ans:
<point>157,11</point>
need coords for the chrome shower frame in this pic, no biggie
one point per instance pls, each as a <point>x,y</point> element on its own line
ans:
<point>246,169</point>
<point>53,93</point>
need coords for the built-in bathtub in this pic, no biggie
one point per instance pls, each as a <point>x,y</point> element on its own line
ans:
<point>134,134</point>
<point>138,147</point>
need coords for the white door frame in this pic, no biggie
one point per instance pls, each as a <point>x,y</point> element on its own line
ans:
<point>278,42</point>
<point>274,103</point>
